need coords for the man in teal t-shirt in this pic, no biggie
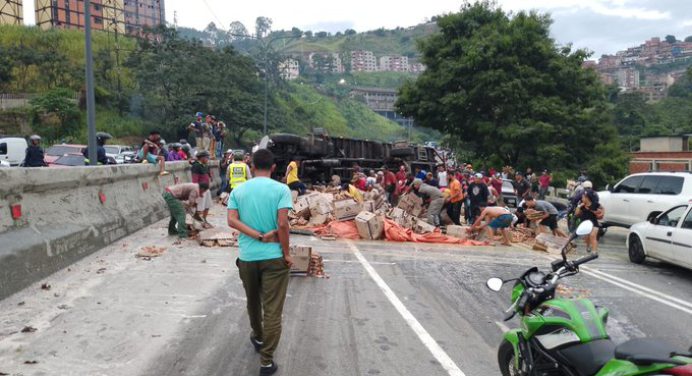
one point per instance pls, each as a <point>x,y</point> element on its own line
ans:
<point>259,210</point>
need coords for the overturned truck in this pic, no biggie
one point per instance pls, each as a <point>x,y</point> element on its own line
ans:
<point>322,156</point>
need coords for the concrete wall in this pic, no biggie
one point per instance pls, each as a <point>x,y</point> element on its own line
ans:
<point>661,161</point>
<point>64,219</point>
<point>662,144</point>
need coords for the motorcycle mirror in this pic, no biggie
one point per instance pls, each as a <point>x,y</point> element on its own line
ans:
<point>584,228</point>
<point>495,283</point>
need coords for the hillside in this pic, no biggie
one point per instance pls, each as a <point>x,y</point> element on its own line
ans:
<point>49,64</point>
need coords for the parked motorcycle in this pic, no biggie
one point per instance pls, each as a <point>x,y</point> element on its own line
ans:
<point>560,336</point>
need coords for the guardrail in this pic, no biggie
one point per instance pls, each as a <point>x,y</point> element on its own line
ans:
<point>50,218</point>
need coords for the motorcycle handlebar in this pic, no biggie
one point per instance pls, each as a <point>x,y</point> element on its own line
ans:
<point>584,260</point>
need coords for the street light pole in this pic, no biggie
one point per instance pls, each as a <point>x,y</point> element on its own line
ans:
<point>266,92</point>
<point>90,102</point>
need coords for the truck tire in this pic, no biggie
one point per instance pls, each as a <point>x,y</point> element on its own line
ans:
<point>505,359</point>
<point>401,152</point>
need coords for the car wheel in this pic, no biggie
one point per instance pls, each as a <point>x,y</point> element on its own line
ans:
<point>636,250</point>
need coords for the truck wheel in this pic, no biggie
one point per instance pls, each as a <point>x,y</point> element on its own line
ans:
<point>636,250</point>
<point>505,359</point>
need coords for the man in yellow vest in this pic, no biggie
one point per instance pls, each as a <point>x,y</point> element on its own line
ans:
<point>238,171</point>
<point>292,179</point>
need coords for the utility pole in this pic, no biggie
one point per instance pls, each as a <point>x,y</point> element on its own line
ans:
<point>90,102</point>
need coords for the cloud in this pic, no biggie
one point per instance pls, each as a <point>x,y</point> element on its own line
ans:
<point>616,8</point>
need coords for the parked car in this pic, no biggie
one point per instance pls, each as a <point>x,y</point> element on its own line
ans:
<point>74,160</point>
<point>667,237</point>
<point>56,151</point>
<point>508,193</point>
<point>637,196</point>
<point>118,152</point>
<point>13,150</point>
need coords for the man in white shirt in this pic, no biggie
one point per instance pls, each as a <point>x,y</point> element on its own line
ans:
<point>442,177</point>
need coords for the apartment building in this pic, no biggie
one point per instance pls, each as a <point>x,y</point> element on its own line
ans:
<point>326,62</point>
<point>628,78</point>
<point>11,12</point>
<point>416,68</point>
<point>290,69</point>
<point>394,63</point>
<point>123,16</point>
<point>363,61</point>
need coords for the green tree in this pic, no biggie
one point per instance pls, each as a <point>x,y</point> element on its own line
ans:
<point>296,32</point>
<point>688,39</point>
<point>349,32</point>
<point>55,114</point>
<point>263,26</point>
<point>500,85</point>
<point>671,39</point>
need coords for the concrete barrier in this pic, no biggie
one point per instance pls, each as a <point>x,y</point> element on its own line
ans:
<point>50,218</point>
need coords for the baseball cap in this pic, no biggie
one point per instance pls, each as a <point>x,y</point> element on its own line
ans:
<point>588,184</point>
<point>479,176</point>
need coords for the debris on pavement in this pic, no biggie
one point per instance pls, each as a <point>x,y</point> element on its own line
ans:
<point>101,271</point>
<point>316,268</point>
<point>28,329</point>
<point>31,362</point>
<point>221,237</point>
<point>301,259</point>
<point>147,252</point>
<point>45,286</point>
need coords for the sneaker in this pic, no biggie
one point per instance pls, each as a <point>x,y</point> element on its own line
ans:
<point>588,249</point>
<point>257,344</point>
<point>268,370</point>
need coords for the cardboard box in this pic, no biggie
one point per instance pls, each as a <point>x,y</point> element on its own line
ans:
<point>369,206</point>
<point>396,213</point>
<point>301,258</point>
<point>321,207</point>
<point>411,204</point>
<point>459,232</point>
<point>370,225</point>
<point>346,210</point>
<point>318,219</point>
<point>422,227</point>
<point>301,208</point>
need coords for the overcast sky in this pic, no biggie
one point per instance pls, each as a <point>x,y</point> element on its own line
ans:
<point>603,26</point>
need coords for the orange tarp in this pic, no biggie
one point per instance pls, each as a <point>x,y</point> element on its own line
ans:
<point>393,232</point>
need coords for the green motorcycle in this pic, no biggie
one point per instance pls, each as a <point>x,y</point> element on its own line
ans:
<point>568,337</point>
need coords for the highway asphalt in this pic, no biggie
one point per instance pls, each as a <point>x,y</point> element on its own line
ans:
<point>386,309</point>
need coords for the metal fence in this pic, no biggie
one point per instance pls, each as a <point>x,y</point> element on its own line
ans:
<point>9,101</point>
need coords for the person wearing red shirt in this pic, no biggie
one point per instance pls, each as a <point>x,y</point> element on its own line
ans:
<point>401,174</point>
<point>543,184</point>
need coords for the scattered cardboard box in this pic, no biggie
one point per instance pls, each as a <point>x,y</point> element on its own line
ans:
<point>301,258</point>
<point>345,210</point>
<point>422,227</point>
<point>370,225</point>
<point>459,232</point>
<point>369,205</point>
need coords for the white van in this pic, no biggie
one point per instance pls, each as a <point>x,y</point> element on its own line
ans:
<point>639,196</point>
<point>13,150</point>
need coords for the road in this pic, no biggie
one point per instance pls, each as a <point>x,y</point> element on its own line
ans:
<point>387,309</point>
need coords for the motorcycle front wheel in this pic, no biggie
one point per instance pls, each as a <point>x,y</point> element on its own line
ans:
<point>505,359</point>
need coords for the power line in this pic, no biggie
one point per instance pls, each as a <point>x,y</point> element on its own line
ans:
<point>214,14</point>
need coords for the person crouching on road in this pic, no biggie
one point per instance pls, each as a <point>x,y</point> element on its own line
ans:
<point>181,198</point>
<point>434,196</point>
<point>259,210</point>
<point>34,153</point>
<point>238,172</point>
<point>201,174</point>
<point>495,218</point>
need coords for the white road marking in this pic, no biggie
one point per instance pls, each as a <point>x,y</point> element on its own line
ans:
<point>502,326</point>
<point>646,292</point>
<point>425,337</point>
<point>358,262</point>
<point>638,290</point>
<point>643,288</point>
